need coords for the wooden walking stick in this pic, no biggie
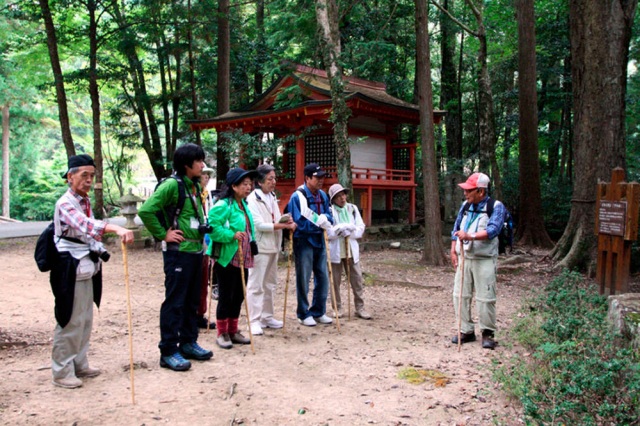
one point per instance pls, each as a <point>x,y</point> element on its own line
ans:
<point>333,290</point>
<point>126,283</point>
<point>244,291</point>
<point>210,265</point>
<point>348,249</point>
<point>286,286</point>
<point>460,295</point>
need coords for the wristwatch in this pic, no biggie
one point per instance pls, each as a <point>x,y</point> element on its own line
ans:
<point>473,236</point>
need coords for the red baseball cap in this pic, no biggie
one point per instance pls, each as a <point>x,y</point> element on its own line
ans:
<point>476,180</point>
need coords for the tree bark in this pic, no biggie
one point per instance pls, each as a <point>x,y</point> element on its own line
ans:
<point>327,16</point>
<point>192,74</point>
<point>449,98</point>
<point>6,194</point>
<point>433,253</point>
<point>531,229</point>
<point>258,81</point>
<point>600,32</point>
<point>224,84</point>
<point>94,94</point>
<point>61,95</point>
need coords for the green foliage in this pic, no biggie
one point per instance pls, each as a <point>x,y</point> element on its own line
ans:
<point>580,371</point>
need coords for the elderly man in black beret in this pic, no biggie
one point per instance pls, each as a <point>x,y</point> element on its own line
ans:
<point>76,280</point>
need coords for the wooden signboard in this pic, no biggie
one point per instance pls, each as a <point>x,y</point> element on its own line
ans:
<point>617,208</point>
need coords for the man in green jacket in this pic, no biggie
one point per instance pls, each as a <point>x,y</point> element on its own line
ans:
<point>182,238</point>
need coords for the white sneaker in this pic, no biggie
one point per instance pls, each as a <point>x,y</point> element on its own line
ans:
<point>272,323</point>
<point>308,321</point>
<point>256,330</point>
<point>68,382</point>
<point>324,320</point>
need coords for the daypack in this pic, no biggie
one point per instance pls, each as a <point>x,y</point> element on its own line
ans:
<point>168,217</point>
<point>46,253</point>
<point>505,237</point>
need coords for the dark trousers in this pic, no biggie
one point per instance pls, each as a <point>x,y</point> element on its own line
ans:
<point>230,295</point>
<point>183,274</point>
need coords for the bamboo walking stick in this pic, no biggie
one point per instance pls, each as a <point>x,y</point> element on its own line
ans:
<point>286,286</point>
<point>126,283</point>
<point>348,249</point>
<point>333,290</point>
<point>460,295</point>
<point>210,267</point>
<point>244,291</point>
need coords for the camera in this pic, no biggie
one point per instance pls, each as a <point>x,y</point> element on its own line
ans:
<point>204,228</point>
<point>95,255</point>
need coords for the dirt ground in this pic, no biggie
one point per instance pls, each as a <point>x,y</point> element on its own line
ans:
<point>297,376</point>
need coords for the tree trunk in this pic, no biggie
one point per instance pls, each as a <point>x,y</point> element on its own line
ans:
<point>327,16</point>
<point>192,69</point>
<point>258,81</point>
<point>449,98</point>
<point>224,84</point>
<point>6,194</point>
<point>531,230</point>
<point>600,32</point>
<point>61,96</point>
<point>486,113</point>
<point>433,253</point>
<point>94,93</point>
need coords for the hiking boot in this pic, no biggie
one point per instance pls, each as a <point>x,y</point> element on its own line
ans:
<point>88,372</point>
<point>487,340</point>
<point>363,314</point>
<point>224,341</point>
<point>195,351</point>
<point>239,338</point>
<point>175,362</point>
<point>68,382</point>
<point>466,338</point>
<point>324,320</point>
<point>308,321</point>
<point>272,323</point>
<point>203,323</point>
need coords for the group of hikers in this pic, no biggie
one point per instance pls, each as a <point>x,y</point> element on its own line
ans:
<point>234,238</point>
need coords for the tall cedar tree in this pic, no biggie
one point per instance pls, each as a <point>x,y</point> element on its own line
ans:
<point>433,253</point>
<point>600,32</point>
<point>327,16</point>
<point>531,230</point>
<point>224,83</point>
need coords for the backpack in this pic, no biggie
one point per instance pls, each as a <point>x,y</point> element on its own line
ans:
<point>505,237</point>
<point>46,253</point>
<point>168,217</point>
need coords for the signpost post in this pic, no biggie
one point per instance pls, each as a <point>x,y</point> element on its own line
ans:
<point>617,208</point>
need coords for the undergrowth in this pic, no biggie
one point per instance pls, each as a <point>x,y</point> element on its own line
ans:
<point>580,372</point>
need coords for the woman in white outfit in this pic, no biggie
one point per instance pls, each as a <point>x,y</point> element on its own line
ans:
<point>263,276</point>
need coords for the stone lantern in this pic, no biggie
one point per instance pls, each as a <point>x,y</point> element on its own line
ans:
<point>129,210</point>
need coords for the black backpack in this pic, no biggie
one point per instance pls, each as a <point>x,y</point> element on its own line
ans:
<point>505,237</point>
<point>46,253</point>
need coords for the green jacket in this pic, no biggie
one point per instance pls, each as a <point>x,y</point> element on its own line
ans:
<point>167,195</point>
<point>224,210</point>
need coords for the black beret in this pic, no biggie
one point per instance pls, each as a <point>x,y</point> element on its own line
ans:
<point>78,161</point>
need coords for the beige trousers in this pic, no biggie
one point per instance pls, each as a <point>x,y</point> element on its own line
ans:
<point>261,287</point>
<point>479,277</point>
<point>357,283</point>
<point>71,343</point>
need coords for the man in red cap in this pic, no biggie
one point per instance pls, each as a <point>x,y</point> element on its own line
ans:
<point>475,231</point>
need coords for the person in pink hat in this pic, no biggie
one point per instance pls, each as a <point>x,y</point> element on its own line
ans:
<point>475,231</point>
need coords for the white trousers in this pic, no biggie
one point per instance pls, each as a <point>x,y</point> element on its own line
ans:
<point>261,287</point>
<point>71,343</point>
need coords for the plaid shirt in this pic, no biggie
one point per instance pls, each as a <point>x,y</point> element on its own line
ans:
<point>81,221</point>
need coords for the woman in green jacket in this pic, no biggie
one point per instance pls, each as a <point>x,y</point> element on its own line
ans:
<point>231,225</point>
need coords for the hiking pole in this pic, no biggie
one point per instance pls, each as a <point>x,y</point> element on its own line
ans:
<point>348,249</point>
<point>126,283</point>
<point>244,292</point>
<point>286,286</point>
<point>460,295</point>
<point>210,267</point>
<point>333,290</point>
